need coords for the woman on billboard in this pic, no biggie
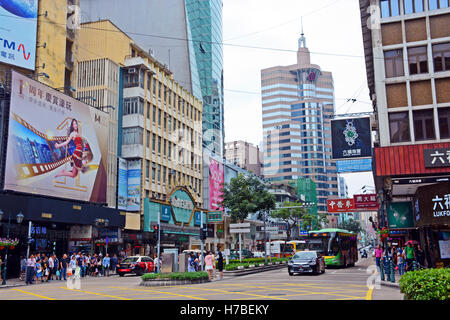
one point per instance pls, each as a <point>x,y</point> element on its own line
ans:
<point>80,156</point>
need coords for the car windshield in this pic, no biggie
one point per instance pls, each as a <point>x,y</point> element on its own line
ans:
<point>131,259</point>
<point>305,255</point>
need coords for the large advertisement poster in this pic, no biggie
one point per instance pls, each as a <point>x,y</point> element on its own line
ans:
<point>122,192</point>
<point>216,179</point>
<point>351,138</point>
<point>57,145</point>
<point>18,27</point>
<point>400,215</point>
<point>134,185</point>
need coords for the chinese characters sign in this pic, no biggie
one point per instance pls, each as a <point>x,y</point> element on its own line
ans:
<point>351,138</point>
<point>216,180</point>
<point>366,201</point>
<point>215,217</point>
<point>340,205</point>
<point>433,205</point>
<point>435,158</point>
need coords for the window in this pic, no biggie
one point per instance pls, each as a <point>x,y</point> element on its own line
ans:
<point>154,86</point>
<point>399,127</point>
<point>390,8</point>
<point>133,106</point>
<point>413,6</point>
<point>148,139</point>
<point>393,61</point>
<point>153,142</point>
<point>444,122</point>
<point>423,125</point>
<point>441,57</point>
<point>417,60</point>
<point>148,110</point>
<point>147,168</point>
<point>437,4</point>
<point>154,115</point>
<point>141,78</point>
<point>132,135</point>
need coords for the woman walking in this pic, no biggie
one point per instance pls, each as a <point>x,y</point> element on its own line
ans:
<point>209,265</point>
<point>220,265</point>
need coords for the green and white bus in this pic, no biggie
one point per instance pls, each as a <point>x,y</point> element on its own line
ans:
<point>338,246</point>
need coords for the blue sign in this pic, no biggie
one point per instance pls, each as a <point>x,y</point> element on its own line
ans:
<point>123,185</point>
<point>165,213</point>
<point>351,138</point>
<point>354,165</point>
<point>197,218</point>
<point>18,21</point>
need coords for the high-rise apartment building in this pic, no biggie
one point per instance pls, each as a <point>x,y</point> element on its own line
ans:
<point>297,106</point>
<point>162,28</point>
<point>244,155</point>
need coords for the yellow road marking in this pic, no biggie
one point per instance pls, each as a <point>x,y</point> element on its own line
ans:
<point>155,291</point>
<point>96,293</point>
<point>241,293</point>
<point>369,294</point>
<point>34,294</point>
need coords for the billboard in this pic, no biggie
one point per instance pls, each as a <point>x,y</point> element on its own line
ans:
<point>57,145</point>
<point>366,201</point>
<point>134,185</point>
<point>122,192</point>
<point>351,138</point>
<point>340,205</point>
<point>18,21</point>
<point>400,215</point>
<point>354,165</point>
<point>216,180</point>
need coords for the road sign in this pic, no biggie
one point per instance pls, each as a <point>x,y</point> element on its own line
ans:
<point>239,230</point>
<point>270,228</point>
<point>239,225</point>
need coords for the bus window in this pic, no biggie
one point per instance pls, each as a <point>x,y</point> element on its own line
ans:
<point>334,247</point>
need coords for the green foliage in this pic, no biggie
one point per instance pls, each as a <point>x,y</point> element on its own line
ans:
<point>351,225</point>
<point>176,276</point>
<point>428,284</point>
<point>245,195</point>
<point>289,215</point>
<point>234,264</point>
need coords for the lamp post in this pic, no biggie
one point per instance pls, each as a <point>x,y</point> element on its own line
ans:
<point>19,218</point>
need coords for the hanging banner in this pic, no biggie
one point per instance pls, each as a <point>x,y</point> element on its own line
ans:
<point>122,193</point>
<point>351,138</point>
<point>216,180</point>
<point>134,185</point>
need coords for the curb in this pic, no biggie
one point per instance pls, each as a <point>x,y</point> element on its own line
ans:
<point>390,284</point>
<point>163,283</point>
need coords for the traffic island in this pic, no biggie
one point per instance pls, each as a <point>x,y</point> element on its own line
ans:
<point>173,279</point>
<point>245,270</point>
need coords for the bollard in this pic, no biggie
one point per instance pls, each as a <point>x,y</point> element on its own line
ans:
<point>381,269</point>
<point>414,265</point>
<point>392,270</point>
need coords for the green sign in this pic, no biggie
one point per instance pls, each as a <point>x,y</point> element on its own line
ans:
<point>215,216</point>
<point>400,215</point>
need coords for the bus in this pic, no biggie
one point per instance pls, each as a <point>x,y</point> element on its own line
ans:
<point>299,245</point>
<point>338,246</point>
<point>279,248</point>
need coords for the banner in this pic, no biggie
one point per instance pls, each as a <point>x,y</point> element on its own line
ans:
<point>18,21</point>
<point>134,185</point>
<point>122,193</point>
<point>400,215</point>
<point>351,138</point>
<point>354,165</point>
<point>340,205</point>
<point>216,180</point>
<point>57,145</point>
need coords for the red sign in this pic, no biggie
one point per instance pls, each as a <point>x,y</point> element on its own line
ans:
<point>366,201</point>
<point>340,205</point>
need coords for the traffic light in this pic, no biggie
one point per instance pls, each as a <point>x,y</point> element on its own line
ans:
<point>202,234</point>
<point>155,232</point>
<point>156,227</point>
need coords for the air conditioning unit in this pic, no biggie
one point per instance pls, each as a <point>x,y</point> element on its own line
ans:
<point>132,70</point>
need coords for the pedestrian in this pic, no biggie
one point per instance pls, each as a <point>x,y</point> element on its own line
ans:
<point>106,263</point>
<point>420,257</point>
<point>191,263</point>
<point>93,265</point>
<point>45,269</point>
<point>410,256</point>
<point>23,268</point>
<point>114,262</point>
<point>31,264</point>
<point>155,263</point>
<point>73,265</point>
<point>99,265</point>
<point>39,272</point>
<point>220,265</point>
<point>55,270</point>
<point>209,264</point>
<point>63,266</point>
<point>400,264</point>
<point>51,265</point>
<point>378,255</point>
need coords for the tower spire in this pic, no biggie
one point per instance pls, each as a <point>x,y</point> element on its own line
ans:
<point>302,39</point>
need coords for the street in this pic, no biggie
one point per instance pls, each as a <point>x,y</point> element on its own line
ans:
<point>335,284</point>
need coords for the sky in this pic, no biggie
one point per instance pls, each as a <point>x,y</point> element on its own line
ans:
<point>333,36</point>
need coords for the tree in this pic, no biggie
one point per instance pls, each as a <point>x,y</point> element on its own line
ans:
<point>351,225</point>
<point>313,220</point>
<point>291,213</point>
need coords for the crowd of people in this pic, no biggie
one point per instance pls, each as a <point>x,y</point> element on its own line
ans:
<point>195,262</point>
<point>402,257</point>
<point>42,268</point>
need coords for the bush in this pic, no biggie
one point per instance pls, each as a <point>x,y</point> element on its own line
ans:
<point>176,276</point>
<point>428,284</point>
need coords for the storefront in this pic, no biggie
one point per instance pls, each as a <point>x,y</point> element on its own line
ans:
<point>432,216</point>
<point>57,226</point>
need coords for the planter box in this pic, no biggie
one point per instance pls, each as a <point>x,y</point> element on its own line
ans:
<point>251,266</point>
<point>278,262</point>
<point>261,264</point>
<point>240,267</point>
<point>167,282</point>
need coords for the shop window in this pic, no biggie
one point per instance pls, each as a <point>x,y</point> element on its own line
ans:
<point>399,127</point>
<point>423,125</point>
<point>393,60</point>
<point>444,122</point>
<point>417,60</point>
<point>441,57</point>
<point>413,6</point>
<point>390,8</point>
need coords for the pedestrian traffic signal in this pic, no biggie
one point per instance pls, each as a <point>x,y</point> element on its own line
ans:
<point>202,234</point>
<point>156,227</point>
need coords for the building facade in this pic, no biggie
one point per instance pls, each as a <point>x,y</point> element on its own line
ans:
<point>244,155</point>
<point>407,51</point>
<point>297,106</point>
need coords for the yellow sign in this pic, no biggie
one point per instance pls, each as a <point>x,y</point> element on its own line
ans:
<point>46,215</point>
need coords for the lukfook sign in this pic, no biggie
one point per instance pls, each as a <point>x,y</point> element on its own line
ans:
<point>180,203</point>
<point>433,205</point>
<point>441,207</point>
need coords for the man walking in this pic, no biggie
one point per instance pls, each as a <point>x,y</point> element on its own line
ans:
<point>410,256</point>
<point>63,266</point>
<point>31,264</point>
<point>106,265</point>
<point>114,262</point>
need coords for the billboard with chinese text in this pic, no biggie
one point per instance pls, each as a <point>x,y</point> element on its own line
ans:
<point>351,138</point>
<point>340,205</point>
<point>18,28</point>
<point>57,145</point>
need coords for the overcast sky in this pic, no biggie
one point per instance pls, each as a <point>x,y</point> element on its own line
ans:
<point>333,35</point>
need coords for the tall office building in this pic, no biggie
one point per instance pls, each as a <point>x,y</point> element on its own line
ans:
<point>161,28</point>
<point>297,106</point>
<point>244,155</point>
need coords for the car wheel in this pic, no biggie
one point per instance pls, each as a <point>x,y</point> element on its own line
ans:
<point>139,272</point>
<point>121,274</point>
<point>291,274</point>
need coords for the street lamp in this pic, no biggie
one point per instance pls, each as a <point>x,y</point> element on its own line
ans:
<point>19,219</point>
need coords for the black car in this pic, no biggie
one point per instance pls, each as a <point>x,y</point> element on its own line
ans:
<point>306,262</point>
